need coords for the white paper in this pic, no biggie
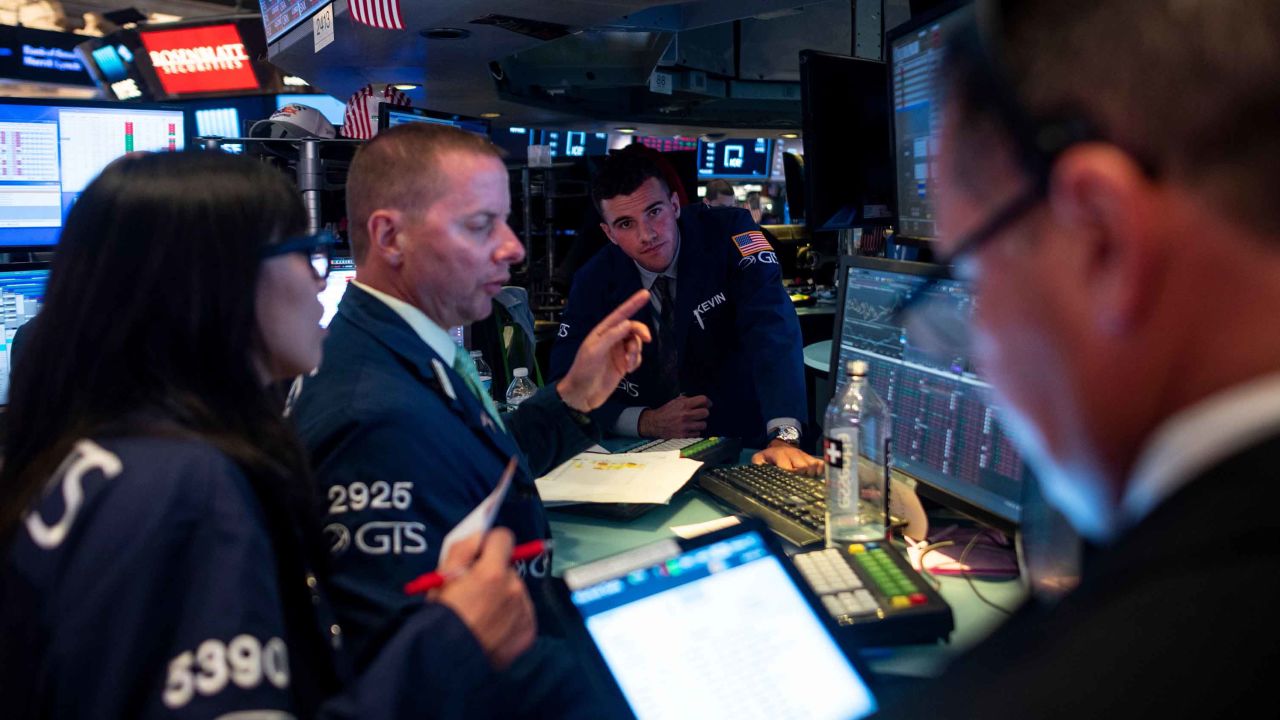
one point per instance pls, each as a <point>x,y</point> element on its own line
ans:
<point>481,518</point>
<point>649,477</point>
<point>702,528</point>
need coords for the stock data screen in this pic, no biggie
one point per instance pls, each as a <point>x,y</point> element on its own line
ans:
<point>914,63</point>
<point>946,433</point>
<point>50,153</point>
<point>21,294</point>
<point>735,158</point>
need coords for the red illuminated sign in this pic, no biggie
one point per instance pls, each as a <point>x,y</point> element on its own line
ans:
<point>200,60</point>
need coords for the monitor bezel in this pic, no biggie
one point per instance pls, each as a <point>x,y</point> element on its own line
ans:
<point>596,669</point>
<point>766,178</point>
<point>924,488</point>
<point>385,109</point>
<point>890,36</point>
<point>188,120</point>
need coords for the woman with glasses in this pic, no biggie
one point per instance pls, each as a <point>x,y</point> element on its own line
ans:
<point>159,553</point>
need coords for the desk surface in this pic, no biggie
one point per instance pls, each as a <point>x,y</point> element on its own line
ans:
<point>818,356</point>
<point>580,539</point>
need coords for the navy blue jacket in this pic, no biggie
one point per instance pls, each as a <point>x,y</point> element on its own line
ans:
<point>737,334</point>
<point>144,584</point>
<point>404,454</point>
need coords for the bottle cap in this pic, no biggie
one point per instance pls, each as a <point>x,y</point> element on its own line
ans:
<point>520,372</point>
<point>856,368</point>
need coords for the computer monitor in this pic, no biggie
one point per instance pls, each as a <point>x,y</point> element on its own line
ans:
<point>946,432</point>
<point>847,146</point>
<point>915,54</point>
<point>735,159</point>
<point>21,295</point>
<point>390,115</point>
<point>342,270</point>
<point>51,149</point>
<point>571,143</point>
<point>333,109</point>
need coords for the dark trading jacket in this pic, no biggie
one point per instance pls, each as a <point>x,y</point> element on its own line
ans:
<point>736,329</point>
<point>403,455</point>
<point>145,585</point>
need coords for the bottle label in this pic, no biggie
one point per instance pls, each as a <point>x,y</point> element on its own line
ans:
<point>840,450</point>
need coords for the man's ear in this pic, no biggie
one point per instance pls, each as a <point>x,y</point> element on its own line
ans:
<point>1100,198</point>
<point>675,203</point>
<point>608,232</point>
<point>386,235</point>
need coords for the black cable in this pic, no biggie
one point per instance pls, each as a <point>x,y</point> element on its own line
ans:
<point>964,570</point>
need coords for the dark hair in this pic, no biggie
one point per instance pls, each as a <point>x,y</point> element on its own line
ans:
<point>719,187</point>
<point>624,171</point>
<point>1190,89</point>
<point>400,168</point>
<point>149,322</point>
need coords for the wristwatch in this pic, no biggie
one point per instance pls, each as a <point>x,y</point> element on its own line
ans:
<point>789,434</point>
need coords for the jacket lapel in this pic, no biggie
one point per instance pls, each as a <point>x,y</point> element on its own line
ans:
<point>385,327</point>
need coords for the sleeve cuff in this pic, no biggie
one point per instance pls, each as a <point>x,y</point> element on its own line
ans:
<point>628,422</point>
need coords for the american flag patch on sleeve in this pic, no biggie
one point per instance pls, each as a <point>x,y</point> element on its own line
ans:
<point>751,242</point>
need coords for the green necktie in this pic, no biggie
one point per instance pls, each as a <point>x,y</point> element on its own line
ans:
<point>463,365</point>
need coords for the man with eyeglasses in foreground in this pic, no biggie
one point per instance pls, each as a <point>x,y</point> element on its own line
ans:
<point>1106,181</point>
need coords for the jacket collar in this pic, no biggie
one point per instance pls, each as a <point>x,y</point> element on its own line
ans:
<point>384,326</point>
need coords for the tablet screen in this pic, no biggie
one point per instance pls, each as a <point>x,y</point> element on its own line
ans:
<point>720,631</point>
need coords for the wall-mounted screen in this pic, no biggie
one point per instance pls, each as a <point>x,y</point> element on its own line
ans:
<point>735,158</point>
<point>49,152</point>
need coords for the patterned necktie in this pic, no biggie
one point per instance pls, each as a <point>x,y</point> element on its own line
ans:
<point>463,365</point>
<point>668,361</point>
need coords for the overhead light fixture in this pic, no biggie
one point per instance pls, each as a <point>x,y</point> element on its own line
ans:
<point>789,136</point>
<point>406,86</point>
<point>626,130</point>
<point>490,115</point>
<point>445,33</point>
<point>295,81</point>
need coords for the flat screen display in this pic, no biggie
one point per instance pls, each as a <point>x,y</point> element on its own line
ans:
<point>205,59</point>
<point>719,631</point>
<point>21,295</point>
<point>281,16</point>
<point>50,152</point>
<point>740,158</point>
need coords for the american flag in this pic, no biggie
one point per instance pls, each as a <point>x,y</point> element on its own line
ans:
<point>383,14</point>
<point>360,121</point>
<point>750,243</point>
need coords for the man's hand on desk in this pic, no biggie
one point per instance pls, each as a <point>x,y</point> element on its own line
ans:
<point>788,457</point>
<point>683,417</point>
<point>610,351</point>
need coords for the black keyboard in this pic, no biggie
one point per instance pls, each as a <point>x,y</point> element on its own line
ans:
<point>793,506</point>
<point>869,588</point>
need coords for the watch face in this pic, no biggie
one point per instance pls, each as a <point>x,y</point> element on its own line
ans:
<point>787,434</point>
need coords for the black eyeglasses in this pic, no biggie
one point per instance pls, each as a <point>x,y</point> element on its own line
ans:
<point>316,246</point>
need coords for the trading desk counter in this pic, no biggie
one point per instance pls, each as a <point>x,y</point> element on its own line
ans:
<point>580,539</point>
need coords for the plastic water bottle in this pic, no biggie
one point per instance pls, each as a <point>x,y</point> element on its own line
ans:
<point>521,387</point>
<point>482,371</point>
<point>856,445</point>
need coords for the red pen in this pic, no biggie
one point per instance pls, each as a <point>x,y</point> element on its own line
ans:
<point>435,578</point>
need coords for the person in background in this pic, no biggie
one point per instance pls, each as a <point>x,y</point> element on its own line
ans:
<point>161,555</point>
<point>720,193</point>
<point>1123,246</point>
<point>727,356</point>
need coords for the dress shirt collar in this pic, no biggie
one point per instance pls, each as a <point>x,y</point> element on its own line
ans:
<point>436,337</point>
<point>1193,440</point>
